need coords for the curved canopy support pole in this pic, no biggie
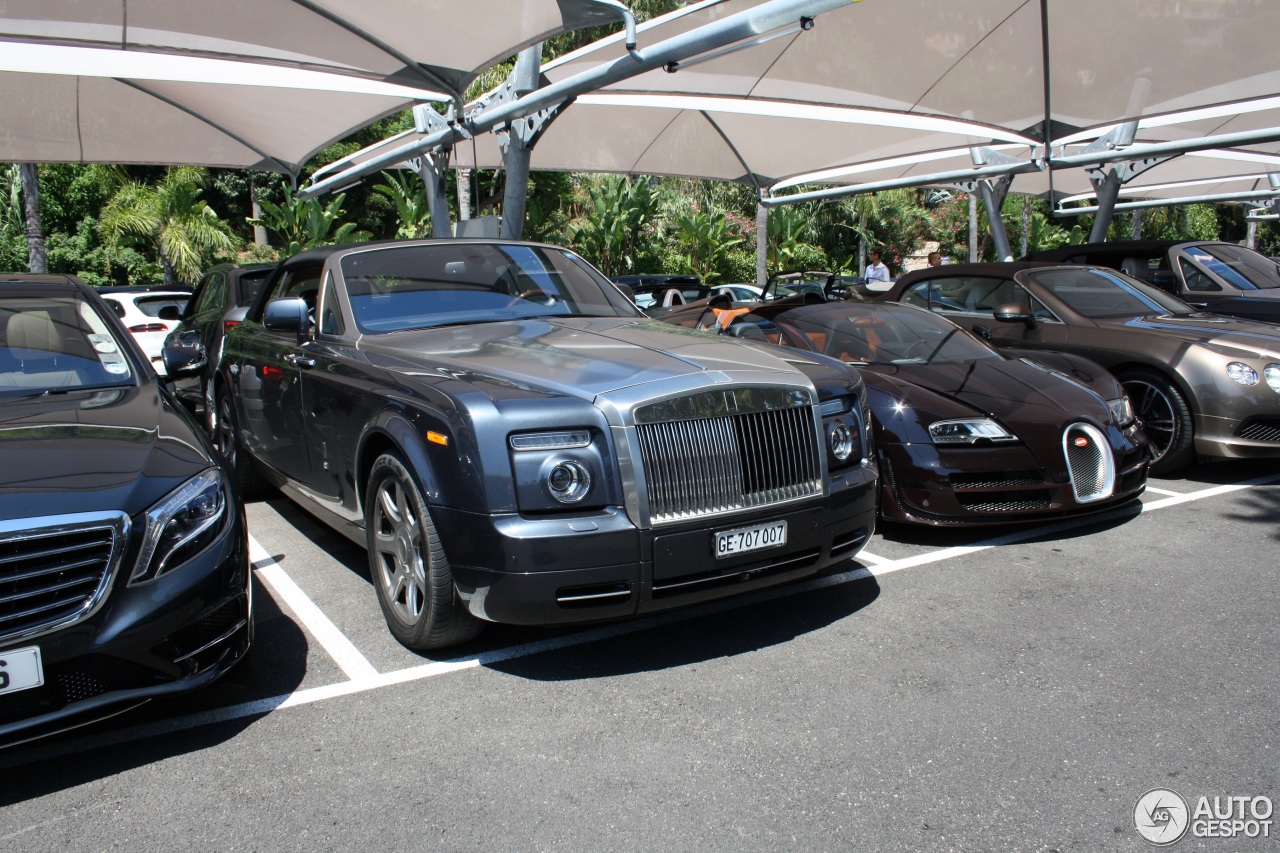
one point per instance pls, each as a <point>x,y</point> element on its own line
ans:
<point>993,193</point>
<point>433,166</point>
<point>517,145</point>
<point>762,244</point>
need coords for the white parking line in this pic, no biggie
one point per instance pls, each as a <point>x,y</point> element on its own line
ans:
<point>1151,488</point>
<point>370,679</point>
<point>868,557</point>
<point>344,653</point>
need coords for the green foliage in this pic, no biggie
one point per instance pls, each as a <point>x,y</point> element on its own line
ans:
<point>170,218</point>
<point>618,218</point>
<point>407,193</point>
<point>789,229</point>
<point>305,223</point>
<point>703,242</point>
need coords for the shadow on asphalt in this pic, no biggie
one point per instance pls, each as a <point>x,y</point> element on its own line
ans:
<point>729,633</point>
<point>275,667</point>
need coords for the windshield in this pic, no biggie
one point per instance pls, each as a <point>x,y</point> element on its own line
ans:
<point>1102,293</point>
<point>1242,268</point>
<point>417,286</point>
<point>52,344</point>
<point>887,334</point>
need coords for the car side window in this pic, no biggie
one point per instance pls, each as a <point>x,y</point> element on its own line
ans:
<point>961,294</point>
<point>1038,309</point>
<point>208,295</point>
<point>330,314</point>
<point>1195,279</point>
<point>115,306</point>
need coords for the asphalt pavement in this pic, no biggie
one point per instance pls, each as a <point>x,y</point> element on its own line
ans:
<point>1003,689</point>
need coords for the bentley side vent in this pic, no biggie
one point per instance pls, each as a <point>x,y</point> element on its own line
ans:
<point>1089,463</point>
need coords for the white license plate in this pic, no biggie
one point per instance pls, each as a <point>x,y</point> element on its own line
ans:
<point>20,669</point>
<point>757,537</point>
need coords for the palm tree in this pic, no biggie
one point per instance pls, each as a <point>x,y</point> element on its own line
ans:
<point>170,217</point>
<point>31,208</point>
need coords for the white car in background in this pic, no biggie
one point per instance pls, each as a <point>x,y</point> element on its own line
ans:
<point>149,315</point>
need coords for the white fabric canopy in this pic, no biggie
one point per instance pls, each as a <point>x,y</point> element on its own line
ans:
<point>248,83</point>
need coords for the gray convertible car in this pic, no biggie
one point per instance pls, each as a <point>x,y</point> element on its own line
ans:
<point>1203,385</point>
<point>512,440</point>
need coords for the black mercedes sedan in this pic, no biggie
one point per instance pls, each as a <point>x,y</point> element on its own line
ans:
<point>124,569</point>
<point>513,440</point>
<point>964,434</point>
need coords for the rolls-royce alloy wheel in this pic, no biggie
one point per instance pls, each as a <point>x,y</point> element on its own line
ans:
<point>407,562</point>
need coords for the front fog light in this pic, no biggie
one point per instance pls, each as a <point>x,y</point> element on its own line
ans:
<point>1242,373</point>
<point>568,482</point>
<point>840,438</point>
<point>1273,376</point>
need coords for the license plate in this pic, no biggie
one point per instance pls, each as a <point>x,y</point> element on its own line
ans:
<point>757,537</point>
<point>20,669</point>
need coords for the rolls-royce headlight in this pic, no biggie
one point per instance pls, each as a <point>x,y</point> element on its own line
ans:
<point>969,431</point>
<point>1121,411</point>
<point>568,481</point>
<point>840,438</point>
<point>182,525</point>
<point>1272,373</point>
<point>1242,374</point>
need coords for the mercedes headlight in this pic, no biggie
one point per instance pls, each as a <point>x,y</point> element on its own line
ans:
<point>1121,411</point>
<point>968,431</point>
<point>182,525</point>
<point>1242,374</point>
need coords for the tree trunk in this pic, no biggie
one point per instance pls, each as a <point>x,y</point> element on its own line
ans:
<point>1026,225</point>
<point>464,194</point>
<point>973,228</point>
<point>1137,224</point>
<point>170,275</point>
<point>36,261</point>
<point>259,231</point>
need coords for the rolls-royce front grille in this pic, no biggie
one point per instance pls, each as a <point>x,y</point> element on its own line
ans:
<point>713,465</point>
<point>1089,463</point>
<point>52,576</point>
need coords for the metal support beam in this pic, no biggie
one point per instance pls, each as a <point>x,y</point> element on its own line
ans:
<point>1256,196</point>
<point>1161,149</point>
<point>762,245</point>
<point>517,141</point>
<point>748,24</point>
<point>958,178</point>
<point>993,193</point>
<point>433,167</point>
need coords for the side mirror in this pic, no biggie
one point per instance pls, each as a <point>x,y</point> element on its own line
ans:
<point>170,312</point>
<point>184,359</point>
<point>1014,312</point>
<point>290,314</point>
<point>982,332</point>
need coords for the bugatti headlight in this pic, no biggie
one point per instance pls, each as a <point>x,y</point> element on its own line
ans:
<point>182,525</point>
<point>1242,374</point>
<point>1121,411</point>
<point>1272,374</point>
<point>968,431</point>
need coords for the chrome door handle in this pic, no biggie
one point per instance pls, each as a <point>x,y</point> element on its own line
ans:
<point>300,360</point>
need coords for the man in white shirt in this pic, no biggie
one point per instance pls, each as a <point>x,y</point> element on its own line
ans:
<point>876,270</point>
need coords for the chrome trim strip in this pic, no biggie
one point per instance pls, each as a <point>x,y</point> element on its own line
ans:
<point>18,529</point>
<point>221,639</point>
<point>569,599</point>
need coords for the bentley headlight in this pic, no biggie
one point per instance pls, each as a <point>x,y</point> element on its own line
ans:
<point>1121,411</point>
<point>1242,374</point>
<point>1272,373</point>
<point>968,431</point>
<point>182,525</point>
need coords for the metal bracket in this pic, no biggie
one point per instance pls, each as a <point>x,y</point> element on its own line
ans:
<point>525,132</point>
<point>1124,172</point>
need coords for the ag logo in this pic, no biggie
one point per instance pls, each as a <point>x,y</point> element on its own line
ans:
<point>1161,816</point>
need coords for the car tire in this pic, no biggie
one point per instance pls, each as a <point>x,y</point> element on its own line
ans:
<point>1166,419</point>
<point>226,438</point>
<point>410,572</point>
